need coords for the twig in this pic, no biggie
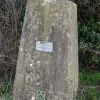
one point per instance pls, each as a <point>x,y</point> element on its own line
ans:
<point>94,51</point>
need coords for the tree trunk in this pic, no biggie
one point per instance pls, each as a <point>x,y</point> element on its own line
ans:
<point>47,66</point>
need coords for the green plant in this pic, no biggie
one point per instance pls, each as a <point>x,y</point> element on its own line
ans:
<point>6,92</point>
<point>89,78</point>
<point>89,44</point>
<point>89,94</point>
<point>89,85</point>
<point>92,94</point>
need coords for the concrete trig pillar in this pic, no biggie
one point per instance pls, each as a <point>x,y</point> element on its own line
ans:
<point>47,67</point>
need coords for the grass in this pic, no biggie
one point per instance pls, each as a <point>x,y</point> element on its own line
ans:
<point>89,85</point>
<point>89,94</point>
<point>6,92</point>
<point>89,78</point>
<point>89,90</point>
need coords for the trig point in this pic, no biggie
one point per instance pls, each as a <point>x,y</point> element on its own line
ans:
<point>47,67</point>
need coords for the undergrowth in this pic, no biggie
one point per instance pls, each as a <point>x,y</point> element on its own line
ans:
<point>89,85</point>
<point>6,92</point>
<point>89,88</point>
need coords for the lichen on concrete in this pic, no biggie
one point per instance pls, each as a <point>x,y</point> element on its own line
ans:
<point>55,73</point>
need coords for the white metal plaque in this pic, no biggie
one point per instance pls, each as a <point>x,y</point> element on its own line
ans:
<point>44,46</point>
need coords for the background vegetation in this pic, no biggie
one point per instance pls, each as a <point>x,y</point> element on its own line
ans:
<point>11,20</point>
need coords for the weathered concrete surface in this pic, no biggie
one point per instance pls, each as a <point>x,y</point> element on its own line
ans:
<point>54,73</point>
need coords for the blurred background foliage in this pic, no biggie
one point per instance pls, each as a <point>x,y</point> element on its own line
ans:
<point>89,45</point>
<point>89,33</point>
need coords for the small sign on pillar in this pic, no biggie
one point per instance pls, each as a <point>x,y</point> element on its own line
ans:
<point>44,46</point>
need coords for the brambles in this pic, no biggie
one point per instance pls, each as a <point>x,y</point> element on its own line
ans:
<point>11,17</point>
